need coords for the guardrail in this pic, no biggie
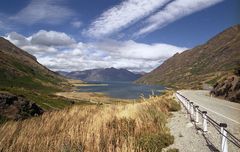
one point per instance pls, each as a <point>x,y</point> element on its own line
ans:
<point>194,111</point>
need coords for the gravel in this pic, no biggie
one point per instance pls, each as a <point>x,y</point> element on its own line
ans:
<point>190,138</point>
<point>186,137</point>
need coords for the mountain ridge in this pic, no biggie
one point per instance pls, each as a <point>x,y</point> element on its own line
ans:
<point>14,57</point>
<point>22,75</point>
<point>102,74</point>
<point>203,64</point>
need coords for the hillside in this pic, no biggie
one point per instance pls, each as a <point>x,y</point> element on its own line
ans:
<point>21,74</point>
<point>112,127</point>
<point>19,68</point>
<point>204,64</point>
<point>107,74</point>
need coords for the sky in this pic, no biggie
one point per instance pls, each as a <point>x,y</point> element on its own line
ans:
<point>138,35</point>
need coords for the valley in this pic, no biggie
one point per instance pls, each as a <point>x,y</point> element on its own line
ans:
<point>70,120</point>
<point>119,76</point>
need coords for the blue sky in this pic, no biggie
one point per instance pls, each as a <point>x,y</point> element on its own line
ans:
<point>134,34</point>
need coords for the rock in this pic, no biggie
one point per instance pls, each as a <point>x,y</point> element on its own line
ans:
<point>237,71</point>
<point>228,89</point>
<point>17,107</point>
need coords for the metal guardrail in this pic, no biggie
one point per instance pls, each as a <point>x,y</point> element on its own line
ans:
<point>194,112</point>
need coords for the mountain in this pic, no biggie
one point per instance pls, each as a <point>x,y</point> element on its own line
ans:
<point>140,72</point>
<point>63,73</point>
<point>108,74</point>
<point>21,74</point>
<point>19,68</point>
<point>204,64</point>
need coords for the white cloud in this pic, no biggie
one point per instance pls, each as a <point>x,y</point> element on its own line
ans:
<point>81,56</point>
<point>133,50</point>
<point>17,39</point>
<point>123,15</point>
<point>51,38</point>
<point>44,11</point>
<point>76,24</point>
<point>174,11</point>
<point>42,42</point>
<point>39,50</point>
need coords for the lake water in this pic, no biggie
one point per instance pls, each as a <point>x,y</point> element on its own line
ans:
<point>123,90</point>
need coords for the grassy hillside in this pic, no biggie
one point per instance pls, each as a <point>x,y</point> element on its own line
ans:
<point>204,64</point>
<point>21,74</point>
<point>105,128</point>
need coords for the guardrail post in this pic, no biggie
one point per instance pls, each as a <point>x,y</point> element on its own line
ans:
<point>191,108</point>
<point>191,111</point>
<point>196,114</point>
<point>224,144</point>
<point>185,103</point>
<point>188,106</point>
<point>204,121</point>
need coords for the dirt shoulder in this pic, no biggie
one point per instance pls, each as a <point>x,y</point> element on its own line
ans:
<point>186,137</point>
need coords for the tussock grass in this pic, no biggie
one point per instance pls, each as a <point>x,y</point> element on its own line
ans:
<point>90,97</point>
<point>105,128</point>
<point>173,150</point>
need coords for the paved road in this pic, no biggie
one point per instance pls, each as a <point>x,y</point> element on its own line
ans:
<point>220,110</point>
<point>228,111</point>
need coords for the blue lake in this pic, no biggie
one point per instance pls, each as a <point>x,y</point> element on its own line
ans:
<point>123,90</point>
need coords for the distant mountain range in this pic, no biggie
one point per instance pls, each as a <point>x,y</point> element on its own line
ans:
<point>204,64</point>
<point>107,74</point>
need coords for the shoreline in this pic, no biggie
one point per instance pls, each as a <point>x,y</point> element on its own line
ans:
<point>89,97</point>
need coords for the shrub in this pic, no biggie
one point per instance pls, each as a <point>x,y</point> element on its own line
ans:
<point>154,142</point>
<point>237,70</point>
<point>174,106</point>
<point>3,119</point>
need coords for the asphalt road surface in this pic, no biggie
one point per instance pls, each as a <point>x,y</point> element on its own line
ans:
<point>219,108</point>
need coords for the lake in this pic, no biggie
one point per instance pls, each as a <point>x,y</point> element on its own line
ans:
<point>123,90</point>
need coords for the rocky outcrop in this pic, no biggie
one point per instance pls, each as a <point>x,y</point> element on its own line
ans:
<point>17,107</point>
<point>228,89</point>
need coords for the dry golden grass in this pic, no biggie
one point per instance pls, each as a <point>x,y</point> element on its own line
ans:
<point>74,81</point>
<point>91,97</point>
<point>103,128</point>
<point>78,83</point>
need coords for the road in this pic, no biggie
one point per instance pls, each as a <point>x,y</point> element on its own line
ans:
<point>220,110</point>
<point>228,111</point>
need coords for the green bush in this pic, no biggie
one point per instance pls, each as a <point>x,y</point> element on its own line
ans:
<point>174,106</point>
<point>154,142</point>
<point>3,119</point>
